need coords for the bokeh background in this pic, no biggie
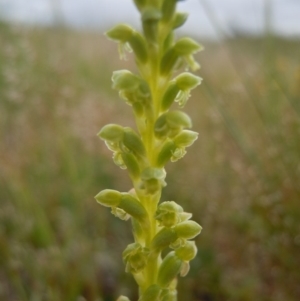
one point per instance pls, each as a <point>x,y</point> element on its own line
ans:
<point>241,179</point>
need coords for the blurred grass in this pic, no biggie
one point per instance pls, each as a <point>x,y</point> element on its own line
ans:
<point>241,178</point>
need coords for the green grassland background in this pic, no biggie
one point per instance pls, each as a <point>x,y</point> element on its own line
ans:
<point>241,179</point>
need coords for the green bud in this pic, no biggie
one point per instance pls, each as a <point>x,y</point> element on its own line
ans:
<point>150,18</point>
<point>168,214</point>
<point>165,153</point>
<point>138,45</point>
<point>185,138</point>
<point>133,207</point>
<point>187,252</point>
<point>152,293</point>
<point>186,46</point>
<point>187,229</point>
<point>133,142</point>
<point>112,133</point>
<point>163,239</point>
<point>179,20</point>
<point>179,90</point>
<point>168,61</point>
<point>169,269</point>
<point>129,161</point>
<point>109,198</point>
<point>131,87</point>
<point>135,257</point>
<point>168,10</point>
<point>125,80</point>
<point>121,32</point>
<point>171,123</point>
<point>187,81</point>
<point>123,298</point>
<point>169,96</point>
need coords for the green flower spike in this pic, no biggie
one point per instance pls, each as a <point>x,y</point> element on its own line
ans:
<point>162,135</point>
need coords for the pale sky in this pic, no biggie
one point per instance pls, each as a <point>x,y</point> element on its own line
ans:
<point>245,15</point>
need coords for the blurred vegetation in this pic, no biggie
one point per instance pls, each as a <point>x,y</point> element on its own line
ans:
<point>241,179</point>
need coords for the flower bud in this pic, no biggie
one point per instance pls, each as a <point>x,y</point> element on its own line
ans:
<point>186,46</point>
<point>125,80</point>
<point>187,252</point>
<point>133,142</point>
<point>179,19</point>
<point>152,293</point>
<point>168,214</point>
<point>112,133</point>
<point>165,153</point>
<point>123,298</point>
<point>187,81</point>
<point>171,123</point>
<point>168,61</point>
<point>138,45</point>
<point>169,96</point>
<point>187,229</point>
<point>135,257</point>
<point>133,207</point>
<point>185,138</point>
<point>163,239</point>
<point>121,32</point>
<point>131,164</point>
<point>109,198</point>
<point>169,269</point>
<point>179,90</point>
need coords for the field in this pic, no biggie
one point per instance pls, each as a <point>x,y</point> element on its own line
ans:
<point>241,179</point>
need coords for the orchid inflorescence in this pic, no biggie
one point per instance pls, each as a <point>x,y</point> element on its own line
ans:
<point>163,134</point>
